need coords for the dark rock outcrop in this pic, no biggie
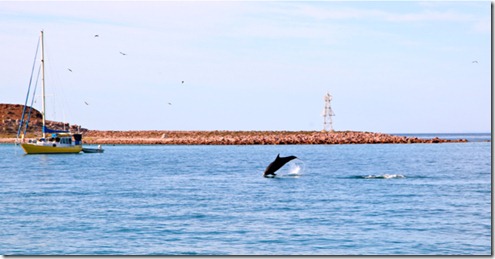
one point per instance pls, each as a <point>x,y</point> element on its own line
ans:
<point>11,114</point>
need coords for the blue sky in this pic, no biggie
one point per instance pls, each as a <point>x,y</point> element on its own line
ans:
<point>393,67</point>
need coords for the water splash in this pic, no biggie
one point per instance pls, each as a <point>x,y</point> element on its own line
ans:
<point>295,167</point>
<point>294,170</point>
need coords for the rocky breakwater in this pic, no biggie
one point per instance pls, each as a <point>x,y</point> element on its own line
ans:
<point>250,138</point>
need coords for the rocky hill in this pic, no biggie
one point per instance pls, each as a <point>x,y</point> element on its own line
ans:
<point>10,117</point>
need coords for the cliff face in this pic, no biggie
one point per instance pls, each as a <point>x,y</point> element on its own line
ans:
<point>10,117</point>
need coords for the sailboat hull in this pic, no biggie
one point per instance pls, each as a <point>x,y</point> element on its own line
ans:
<point>39,149</point>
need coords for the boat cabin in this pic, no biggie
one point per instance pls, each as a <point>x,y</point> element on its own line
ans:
<point>59,140</point>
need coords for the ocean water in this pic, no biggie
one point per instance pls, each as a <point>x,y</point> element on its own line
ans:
<point>397,199</point>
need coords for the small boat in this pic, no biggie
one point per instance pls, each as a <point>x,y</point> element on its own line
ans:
<point>93,150</point>
<point>60,141</point>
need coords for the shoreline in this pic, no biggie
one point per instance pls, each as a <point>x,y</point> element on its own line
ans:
<point>166,137</point>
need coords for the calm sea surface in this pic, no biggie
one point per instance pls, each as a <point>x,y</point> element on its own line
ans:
<point>398,199</point>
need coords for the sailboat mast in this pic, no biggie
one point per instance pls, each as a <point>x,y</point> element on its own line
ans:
<point>43,84</point>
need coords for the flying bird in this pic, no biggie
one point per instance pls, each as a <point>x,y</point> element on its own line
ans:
<point>182,81</point>
<point>277,164</point>
<point>169,103</point>
<point>69,69</point>
<point>86,103</point>
<point>96,35</point>
<point>123,53</point>
<point>475,61</point>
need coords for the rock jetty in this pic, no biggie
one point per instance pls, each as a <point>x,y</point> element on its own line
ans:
<point>10,115</point>
<point>250,138</point>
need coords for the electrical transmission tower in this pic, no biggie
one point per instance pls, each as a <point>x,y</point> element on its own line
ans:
<point>327,114</point>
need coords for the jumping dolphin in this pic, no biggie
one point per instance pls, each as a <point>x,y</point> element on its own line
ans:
<point>277,164</point>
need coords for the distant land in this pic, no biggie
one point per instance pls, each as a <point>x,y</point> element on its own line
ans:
<point>10,115</point>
